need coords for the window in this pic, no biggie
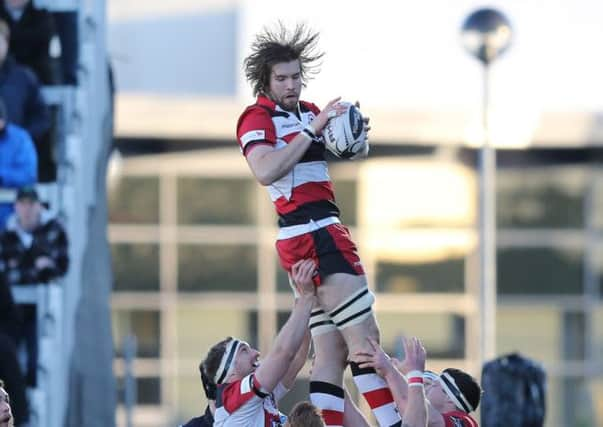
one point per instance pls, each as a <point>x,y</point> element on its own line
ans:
<point>346,199</point>
<point>598,204</point>
<point>439,276</point>
<point>216,201</point>
<point>536,332</point>
<point>575,395</point>
<point>197,329</point>
<point>135,200</point>
<point>148,390</point>
<point>539,271</point>
<point>545,197</point>
<point>282,279</point>
<point>598,269</point>
<point>191,400</point>
<point>598,334</point>
<point>442,333</point>
<point>417,193</point>
<point>135,267</point>
<point>596,385</point>
<point>573,339</point>
<point>144,325</point>
<point>217,268</point>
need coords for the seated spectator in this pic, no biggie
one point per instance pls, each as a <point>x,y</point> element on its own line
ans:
<point>33,249</point>
<point>25,105</point>
<point>305,414</point>
<point>20,90</point>
<point>10,371</point>
<point>34,39</point>
<point>18,163</point>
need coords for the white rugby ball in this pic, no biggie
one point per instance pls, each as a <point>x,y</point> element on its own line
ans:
<point>344,135</point>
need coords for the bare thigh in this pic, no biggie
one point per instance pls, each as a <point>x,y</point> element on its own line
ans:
<point>330,356</point>
<point>335,290</point>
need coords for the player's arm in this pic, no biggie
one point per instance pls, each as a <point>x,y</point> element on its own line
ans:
<point>415,414</point>
<point>383,365</point>
<point>269,164</point>
<point>418,410</point>
<point>298,362</point>
<point>288,341</point>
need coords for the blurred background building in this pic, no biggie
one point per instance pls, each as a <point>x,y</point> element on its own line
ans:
<point>192,234</point>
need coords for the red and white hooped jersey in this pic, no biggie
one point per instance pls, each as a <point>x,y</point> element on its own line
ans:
<point>459,419</point>
<point>243,404</point>
<point>306,192</point>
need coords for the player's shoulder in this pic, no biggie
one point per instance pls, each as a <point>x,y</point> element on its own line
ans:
<point>239,387</point>
<point>258,112</point>
<point>234,395</point>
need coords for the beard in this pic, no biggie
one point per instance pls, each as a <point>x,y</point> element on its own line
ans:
<point>287,102</point>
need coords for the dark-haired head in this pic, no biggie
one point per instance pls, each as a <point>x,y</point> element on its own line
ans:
<point>467,385</point>
<point>210,365</point>
<point>209,387</point>
<point>273,46</point>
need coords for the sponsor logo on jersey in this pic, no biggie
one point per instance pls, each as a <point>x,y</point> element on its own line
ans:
<point>291,125</point>
<point>253,135</point>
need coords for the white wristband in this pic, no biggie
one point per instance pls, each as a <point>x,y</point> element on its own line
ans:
<point>306,135</point>
<point>416,385</point>
<point>414,373</point>
<point>311,129</point>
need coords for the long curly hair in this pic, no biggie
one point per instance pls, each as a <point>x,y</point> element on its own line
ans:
<point>273,46</point>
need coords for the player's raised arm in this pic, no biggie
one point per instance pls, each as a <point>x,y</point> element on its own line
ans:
<point>273,368</point>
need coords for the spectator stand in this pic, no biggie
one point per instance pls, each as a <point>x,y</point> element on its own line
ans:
<point>84,127</point>
<point>83,124</point>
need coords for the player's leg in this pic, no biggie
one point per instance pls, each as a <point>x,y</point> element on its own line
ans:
<point>345,296</point>
<point>326,380</point>
<point>328,366</point>
<point>330,351</point>
<point>349,303</point>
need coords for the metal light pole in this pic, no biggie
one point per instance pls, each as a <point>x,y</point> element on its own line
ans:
<point>486,33</point>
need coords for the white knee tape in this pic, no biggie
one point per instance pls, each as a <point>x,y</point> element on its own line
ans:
<point>320,323</point>
<point>353,310</point>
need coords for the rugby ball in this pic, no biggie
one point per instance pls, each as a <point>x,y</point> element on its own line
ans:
<point>344,135</point>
